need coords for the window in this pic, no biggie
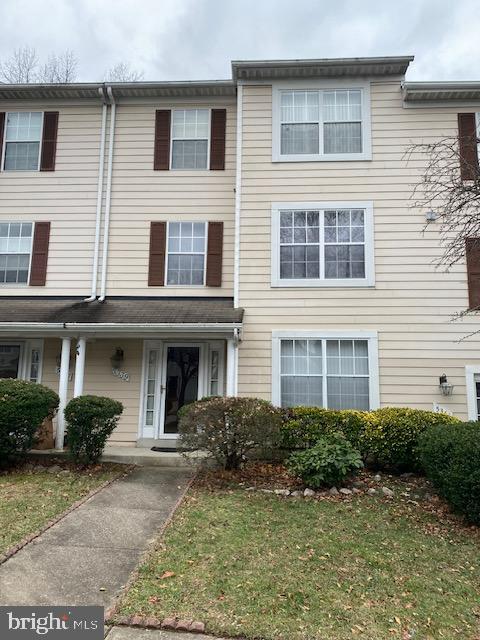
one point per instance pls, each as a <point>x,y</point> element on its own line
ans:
<point>472,373</point>
<point>21,360</point>
<point>322,244</point>
<point>331,372</point>
<point>10,360</point>
<point>15,250</point>
<point>190,138</point>
<point>186,253</point>
<point>23,133</point>
<point>321,124</point>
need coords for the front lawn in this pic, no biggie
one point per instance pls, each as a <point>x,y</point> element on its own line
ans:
<point>30,498</point>
<point>258,565</point>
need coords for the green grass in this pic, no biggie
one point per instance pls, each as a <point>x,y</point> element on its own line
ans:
<point>259,566</point>
<point>28,500</point>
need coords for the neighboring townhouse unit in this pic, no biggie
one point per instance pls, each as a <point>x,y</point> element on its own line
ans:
<point>164,241</point>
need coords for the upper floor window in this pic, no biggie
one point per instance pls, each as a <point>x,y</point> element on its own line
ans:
<point>186,253</point>
<point>190,138</point>
<point>23,133</point>
<point>15,251</point>
<point>321,124</point>
<point>322,244</point>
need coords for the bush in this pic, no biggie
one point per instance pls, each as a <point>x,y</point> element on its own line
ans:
<point>391,436</point>
<point>228,428</point>
<point>450,455</point>
<point>303,426</point>
<point>23,408</point>
<point>90,421</point>
<point>327,463</point>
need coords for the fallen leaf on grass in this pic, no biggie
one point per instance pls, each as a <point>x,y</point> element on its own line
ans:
<point>167,574</point>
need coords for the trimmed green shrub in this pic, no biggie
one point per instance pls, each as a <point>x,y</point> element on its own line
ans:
<point>303,426</point>
<point>90,421</point>
<point>327,463</point>
<point>391,436</point>
<point>23,408</point>
<point>450,455</point>
<point>229,428</point>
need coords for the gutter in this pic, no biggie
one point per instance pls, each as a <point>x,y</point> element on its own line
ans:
<point>98,216</point>
<point>126,327</point>
<point>108,197</point>
<point>238,197</point>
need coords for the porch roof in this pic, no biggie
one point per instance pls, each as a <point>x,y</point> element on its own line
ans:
<point>28,313</point>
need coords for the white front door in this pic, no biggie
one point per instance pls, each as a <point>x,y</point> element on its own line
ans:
<point>175,374</point>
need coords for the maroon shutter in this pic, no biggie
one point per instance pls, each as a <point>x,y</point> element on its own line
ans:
<point>2,128</point>
<point>49,141</point>
<point>161,155</point>
<point>156,264</point>
<point>467,140</point>
<point>214,254</point>
<point>217,139</point>
<point>472,251</point>
<point>38,269</point>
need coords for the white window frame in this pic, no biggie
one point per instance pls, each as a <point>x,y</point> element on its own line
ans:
<point>320,85</point>
<point>4,147</point>
<point>372,341</point>
<point>172,138</point>
<point>205,251</point>
<point>471,370</point>
<point>25,359</point>
<point>20,284</point>
<point>367,281</point>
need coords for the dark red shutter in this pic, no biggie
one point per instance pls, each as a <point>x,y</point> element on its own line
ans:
<point>38,269</point>
<point>156,264</point>
<point>2,128</point>
<point>161,156</point>
<point>214,254</point>
<point>472,251</point>
<point>49,141</point>
<point>217,139</point>
<point>467,139</point>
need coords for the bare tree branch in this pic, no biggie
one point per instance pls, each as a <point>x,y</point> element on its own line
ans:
<point>122,72</point>
<point>59,68</point>
<point>20,67</point>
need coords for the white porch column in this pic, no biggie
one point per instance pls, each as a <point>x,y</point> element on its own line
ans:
<point>231,367</point>
<point>79,367</point>
<point>62,392</point>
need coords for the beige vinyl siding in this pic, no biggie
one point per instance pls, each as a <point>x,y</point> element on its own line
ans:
<point>141,195</point>
<point>412,303</point>
<point>99,379</point>
<point>66,197</point>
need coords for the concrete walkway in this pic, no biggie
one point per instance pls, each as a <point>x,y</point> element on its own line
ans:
<point>87,557</point>
<point>129,633</point>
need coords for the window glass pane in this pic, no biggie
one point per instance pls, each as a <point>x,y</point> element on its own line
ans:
<point>24,126</point>
<point>299,244</point>
<point>9,360</point>
<point>299,106</point>
<point>186,253</point>
<point>301,372</point>
<point>190,123</point>
<point>299,138</point>
<point>343,258</point>
<point>344,105</point>
<point>348,393</point>
<point>21,156</point>
<point>15,246</point>
<point>189,154</point>
<point>344,137</point>
<point>303,390</point>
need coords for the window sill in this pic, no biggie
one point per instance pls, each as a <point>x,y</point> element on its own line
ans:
<point>323,284</point>
<point>333,157</point>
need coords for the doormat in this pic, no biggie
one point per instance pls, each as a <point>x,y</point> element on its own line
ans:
<point>165,449</point>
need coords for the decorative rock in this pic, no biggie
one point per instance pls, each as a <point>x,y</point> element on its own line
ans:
<point>407,475</point>
<point>377,477</point>
<point>345,491</point>
<point>136,621</point>
<point>169,623</point>
<point>54,469</point>
<point>282,492</point>
<point>309,493</point>
<point>64,472</point>
<point>296,494</point>
<point>197,627</point>
<point>372,491</point>
<point>356,490</point>
<point>250,489</point>
<point>266,490</point>
<point>387,492</point>
<point>152,623</point>
<point>358,484</point>
<point>39,468</point>
<point>183,625</point>
<point>334,491</point>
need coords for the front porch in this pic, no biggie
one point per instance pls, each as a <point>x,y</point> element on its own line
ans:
<point>152,366</point>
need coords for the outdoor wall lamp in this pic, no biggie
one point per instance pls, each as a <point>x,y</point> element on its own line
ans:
<point>117,358</point>
<point>446,388</point>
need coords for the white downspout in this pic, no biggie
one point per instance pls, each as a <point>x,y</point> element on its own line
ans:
<point>238,197</point>
<point>108,197</point>
<point>98,218</point>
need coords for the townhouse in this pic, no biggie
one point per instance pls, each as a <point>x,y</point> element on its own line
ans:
<point>163,241</point>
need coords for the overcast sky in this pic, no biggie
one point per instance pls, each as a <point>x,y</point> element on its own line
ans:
<point>197,39</point>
